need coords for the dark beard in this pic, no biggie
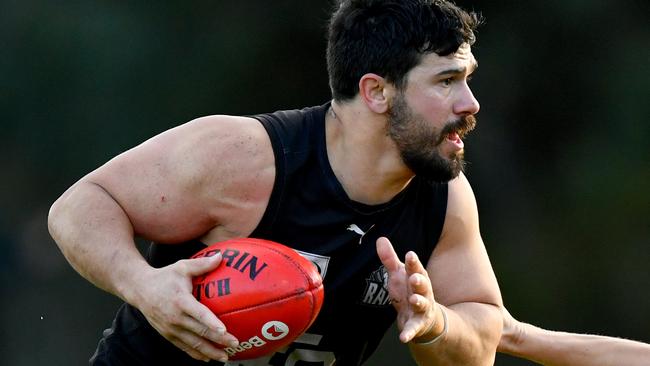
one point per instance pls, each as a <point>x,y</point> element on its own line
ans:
<point>418,143</point>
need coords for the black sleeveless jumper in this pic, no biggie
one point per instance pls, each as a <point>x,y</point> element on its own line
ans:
<point>310,212</point>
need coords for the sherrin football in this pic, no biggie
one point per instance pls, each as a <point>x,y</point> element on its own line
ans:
<point>265,293</point>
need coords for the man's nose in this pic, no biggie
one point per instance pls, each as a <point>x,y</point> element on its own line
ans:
<point>466,104</point>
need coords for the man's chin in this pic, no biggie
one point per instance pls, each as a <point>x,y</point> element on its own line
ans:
<point>436,167</point>
<point>446,172</point>
<point>439,176</point>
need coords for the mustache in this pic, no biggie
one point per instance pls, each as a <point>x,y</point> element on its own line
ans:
<point>461,126</point>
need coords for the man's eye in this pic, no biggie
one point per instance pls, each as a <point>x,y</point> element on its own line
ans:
<point>447,81</point>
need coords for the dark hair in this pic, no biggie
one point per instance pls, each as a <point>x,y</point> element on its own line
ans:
<point>389,37</point>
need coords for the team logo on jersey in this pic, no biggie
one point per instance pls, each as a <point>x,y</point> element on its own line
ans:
<point>320,261</point>
<point>376,292</point>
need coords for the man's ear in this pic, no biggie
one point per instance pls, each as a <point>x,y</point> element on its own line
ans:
<point>376,92</point>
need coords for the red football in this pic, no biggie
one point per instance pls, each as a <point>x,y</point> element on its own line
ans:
<point>265,293</point>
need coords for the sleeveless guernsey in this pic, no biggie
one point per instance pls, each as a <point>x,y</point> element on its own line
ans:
<point>310,212</point>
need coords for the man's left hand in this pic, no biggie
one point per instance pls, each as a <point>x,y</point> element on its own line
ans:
<point>409,288</point>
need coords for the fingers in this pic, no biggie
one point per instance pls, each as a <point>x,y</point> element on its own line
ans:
<point>418,276</point>
<point>421,300</point>
<point>187,323</point>
<point>197,347</point>
<point>212,330</point>
<point>413,289</point>
<point>391,261</point>
<point>216,335</point>
<point>197,339</point>
<point>201,321</point>
<point>409,331</point>
<point>421,319</point>
<point>199,266</point>
<point>420,304</point>
<point>200,314</point>
<point>186,335</point>
<point>387,255</point>
<point>413,264</point>
<point>421,285</point>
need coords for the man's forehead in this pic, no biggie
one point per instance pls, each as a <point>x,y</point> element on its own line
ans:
<point>462,58</point>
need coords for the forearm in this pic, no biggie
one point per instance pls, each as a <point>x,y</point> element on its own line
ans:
<point>96,237</point>
<point>553,348</point>
<point>473,332</point>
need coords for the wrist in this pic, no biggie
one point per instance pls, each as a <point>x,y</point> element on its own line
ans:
<point>131,286</point>
<point>437,330</point>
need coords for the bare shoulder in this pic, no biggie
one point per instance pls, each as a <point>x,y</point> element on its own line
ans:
<point>461,205</point>
<point>218,146</point>
<point>459,267</point>
<point>220,134</point>
<point>212,172</point>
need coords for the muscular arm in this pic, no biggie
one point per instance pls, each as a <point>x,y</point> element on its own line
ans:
<point>464,283</point>
<point>96,237</point>
<point>179,185</point>
<point>458,280</point>
<point>554,348</point>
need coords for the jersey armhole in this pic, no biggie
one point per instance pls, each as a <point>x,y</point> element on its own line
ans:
<point>438,214</point>
<point>263,229</point>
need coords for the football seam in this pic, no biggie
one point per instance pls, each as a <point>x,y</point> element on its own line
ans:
<point>310,285</point>
<point>268,244</point>
<point>314,309</point>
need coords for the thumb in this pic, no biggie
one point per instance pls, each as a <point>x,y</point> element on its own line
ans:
<point>199,266</point>
<point>387,254</point>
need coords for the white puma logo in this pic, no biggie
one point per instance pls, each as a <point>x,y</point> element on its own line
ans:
<point>357,229</point>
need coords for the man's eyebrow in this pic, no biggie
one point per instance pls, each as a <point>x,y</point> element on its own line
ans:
<point>459,70</point>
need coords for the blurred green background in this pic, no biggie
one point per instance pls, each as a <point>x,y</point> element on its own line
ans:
<point>559,161</point>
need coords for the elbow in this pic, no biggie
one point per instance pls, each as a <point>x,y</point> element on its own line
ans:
<point>55,218</point>
<point>490,335</point>
<point>52,217</point>
<point>474,334</point>
<point>486,336</point>
<point>60,217</point>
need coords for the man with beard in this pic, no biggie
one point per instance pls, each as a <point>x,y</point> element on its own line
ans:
<point>369,184</point>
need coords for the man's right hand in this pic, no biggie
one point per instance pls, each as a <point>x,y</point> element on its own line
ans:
<point>165,298</point>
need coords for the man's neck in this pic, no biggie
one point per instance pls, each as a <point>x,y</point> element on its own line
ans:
<point>362,155</point>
